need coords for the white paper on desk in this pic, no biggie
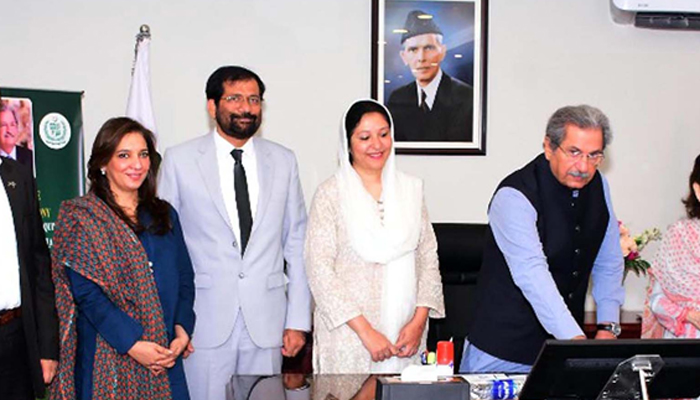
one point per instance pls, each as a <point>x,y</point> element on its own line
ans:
<point>419,373</point>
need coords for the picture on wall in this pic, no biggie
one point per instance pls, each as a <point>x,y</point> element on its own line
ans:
<point>17,130</point>
<point>429,69</point>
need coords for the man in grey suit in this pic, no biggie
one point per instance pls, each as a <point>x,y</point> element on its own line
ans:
<point>243,216</point>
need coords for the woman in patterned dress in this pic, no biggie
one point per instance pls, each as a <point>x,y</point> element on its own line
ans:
<point>124,281</point>
<point>371,255</point>
<point>672,309</point>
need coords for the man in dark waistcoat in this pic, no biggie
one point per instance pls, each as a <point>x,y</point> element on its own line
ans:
<point>551,228</point>
<point>436,106</point>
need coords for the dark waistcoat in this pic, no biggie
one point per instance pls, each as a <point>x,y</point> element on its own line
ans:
<point>571,229</point>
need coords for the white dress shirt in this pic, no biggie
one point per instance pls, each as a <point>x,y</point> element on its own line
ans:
<point>9,267</point>
<point>12,154</point>
<point>226,163</point>
<point>430,90</point>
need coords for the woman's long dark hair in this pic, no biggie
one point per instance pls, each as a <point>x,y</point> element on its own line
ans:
<point>103,149</point>
<point>692,205</point>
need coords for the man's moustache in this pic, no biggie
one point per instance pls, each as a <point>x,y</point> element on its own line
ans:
<point>244,115</point>
<point>579,174</point>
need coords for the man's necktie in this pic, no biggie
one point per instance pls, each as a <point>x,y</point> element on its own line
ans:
<point>240,184</point>
<point>423,104</point>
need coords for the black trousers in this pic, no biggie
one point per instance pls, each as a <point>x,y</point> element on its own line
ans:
<point>15,378</point>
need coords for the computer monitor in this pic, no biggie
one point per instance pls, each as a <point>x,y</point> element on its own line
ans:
<point>580,369</point>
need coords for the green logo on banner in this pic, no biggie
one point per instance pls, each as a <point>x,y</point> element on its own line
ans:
<point>54,131</point>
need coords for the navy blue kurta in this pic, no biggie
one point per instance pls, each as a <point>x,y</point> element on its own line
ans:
<point>174,277</point>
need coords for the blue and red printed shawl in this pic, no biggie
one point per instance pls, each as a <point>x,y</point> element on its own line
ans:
<point>90,239</point>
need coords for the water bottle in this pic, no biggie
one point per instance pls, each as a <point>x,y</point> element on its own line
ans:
<point>496,389</point>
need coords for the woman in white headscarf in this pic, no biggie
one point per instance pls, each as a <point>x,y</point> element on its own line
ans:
<point>371,255</point>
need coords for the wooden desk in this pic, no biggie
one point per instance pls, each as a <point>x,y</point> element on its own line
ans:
<point>630,321</point>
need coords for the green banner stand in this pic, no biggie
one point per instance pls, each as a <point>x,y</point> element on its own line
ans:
<point>56,136</point>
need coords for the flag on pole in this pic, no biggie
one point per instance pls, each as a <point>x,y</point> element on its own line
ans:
<point>139,105</point>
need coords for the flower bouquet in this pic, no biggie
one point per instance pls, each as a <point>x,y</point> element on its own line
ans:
<point>632,246</point>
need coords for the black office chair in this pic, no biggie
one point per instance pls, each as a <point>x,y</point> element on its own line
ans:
<point>460,248</point>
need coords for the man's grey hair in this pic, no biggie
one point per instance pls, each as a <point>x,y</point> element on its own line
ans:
<point>582,116</point>
<point>6,107</point>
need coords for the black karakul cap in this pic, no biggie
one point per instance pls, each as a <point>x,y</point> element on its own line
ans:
<point>415,26</point>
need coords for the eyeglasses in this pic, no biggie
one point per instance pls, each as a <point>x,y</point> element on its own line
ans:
<point>238,99</point>
<point>594,158</point>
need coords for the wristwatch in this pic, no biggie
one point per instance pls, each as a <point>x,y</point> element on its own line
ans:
<point>611,327</point>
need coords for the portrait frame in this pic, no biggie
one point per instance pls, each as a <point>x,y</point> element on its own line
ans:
<point>451,126</point>
<point>22,110</point>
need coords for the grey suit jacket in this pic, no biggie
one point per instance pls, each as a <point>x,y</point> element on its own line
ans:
<point>226,282</point>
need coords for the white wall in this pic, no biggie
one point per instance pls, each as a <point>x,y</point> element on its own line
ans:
<point>314,57</point>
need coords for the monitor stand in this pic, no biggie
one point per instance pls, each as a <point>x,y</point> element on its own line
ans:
<point>630,379</point>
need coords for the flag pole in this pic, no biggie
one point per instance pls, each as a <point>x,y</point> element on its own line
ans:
<point>139,103</point>
<point>144,33</point>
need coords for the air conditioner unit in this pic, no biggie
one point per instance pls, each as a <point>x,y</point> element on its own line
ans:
<point>657,14</point>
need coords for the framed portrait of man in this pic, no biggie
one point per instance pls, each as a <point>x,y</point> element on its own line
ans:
<point>17,130</point>
<point>429,68</point>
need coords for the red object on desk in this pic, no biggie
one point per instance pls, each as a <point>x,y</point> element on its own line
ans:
<point>445,353</point>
